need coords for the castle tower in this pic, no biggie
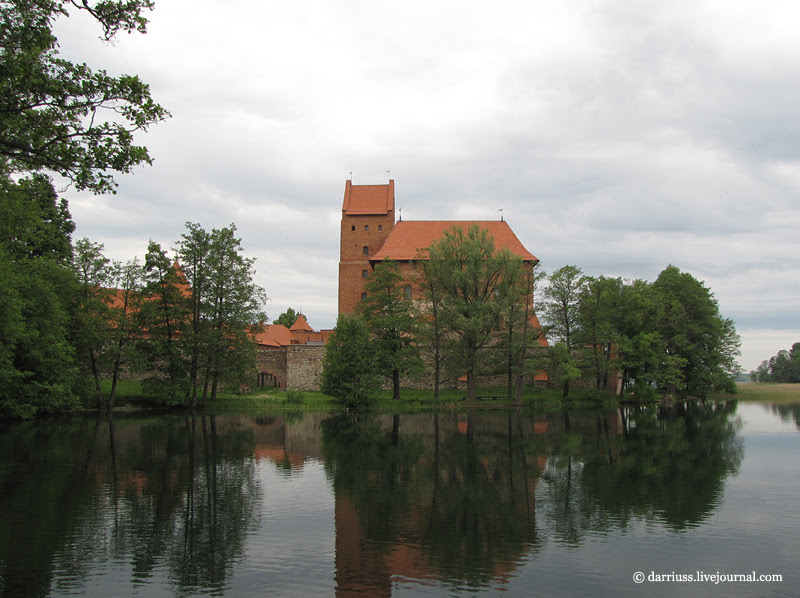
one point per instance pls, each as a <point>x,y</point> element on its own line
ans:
<point>367,220</point>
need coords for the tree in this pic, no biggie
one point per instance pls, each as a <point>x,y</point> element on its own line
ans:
<point>350,367</point>
<point>193,249</point>
<point>432,334</point>
<point>518,336</point>
<point>560,310</point>
<point>288,318</point>
<point>699,341</point>
<point>389,313</point>
<point>93,314</point>
<point>63,117</point>
<point>783,367</point>
<point>164,310</point>
<point>598,317</point>
<point>471,278</point>
<point>233,309</point>
<point>123,308</point>
<point>37,357</point>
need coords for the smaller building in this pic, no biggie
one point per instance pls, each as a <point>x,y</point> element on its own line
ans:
<point>291,358</point>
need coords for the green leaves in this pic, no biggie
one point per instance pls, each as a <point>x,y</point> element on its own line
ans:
<point>63,117</point>
<point>471,281</point>
<point>350,366</point>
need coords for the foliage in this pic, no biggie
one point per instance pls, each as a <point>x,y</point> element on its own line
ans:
<point>63,117</point>
<point>295,397</point>
<point>517,339</point>
<point>93,315</point>
<point>200,317</point>
<point>392,321</point>
<point>350,367</point>
<point>561,307</point>
<point>37,357</point>
<point>164,309</point>
<point>288,318</point>
<point>784,367</point>
<point>703,346</point>
<point>472,280</point>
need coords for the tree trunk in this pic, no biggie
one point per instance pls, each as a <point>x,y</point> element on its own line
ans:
<point>96,374</point>
<point>396,384</point>
<point>472,392</point>
<point>436,373</point>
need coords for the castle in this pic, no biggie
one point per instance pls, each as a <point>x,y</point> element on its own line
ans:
<point>369,235</point>
<point>292,357</point>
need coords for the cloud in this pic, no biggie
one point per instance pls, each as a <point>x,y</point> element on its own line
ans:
<point>619,137</point>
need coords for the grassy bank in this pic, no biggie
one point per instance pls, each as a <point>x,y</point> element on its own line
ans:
<point>130,396</point>
<point>768,393</point>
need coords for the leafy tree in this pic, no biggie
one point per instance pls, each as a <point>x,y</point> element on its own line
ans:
<point>63,117</point>
<point>192,250</point>
<point>784,366</point>
<point>164,310</point>
<point>37,358</point>
<point>432,333</point>
<point>234,307</point>
<point>288,318</point>
<point>93,315</point>
<point>560,310</point>
<point>123,308</point>
<point>392,322</point>
<point>699,341</point>
<point>472,278</point>
<point>598,317</point>
<point>350,367</point>
<point>519,338</point>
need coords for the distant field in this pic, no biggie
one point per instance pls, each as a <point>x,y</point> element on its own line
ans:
<point>751,391</point>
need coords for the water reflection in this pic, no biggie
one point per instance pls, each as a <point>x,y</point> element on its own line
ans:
<point>456,498</point>
<point>172,494</point>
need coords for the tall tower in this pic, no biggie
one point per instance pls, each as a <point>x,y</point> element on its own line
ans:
<point>367,220</point>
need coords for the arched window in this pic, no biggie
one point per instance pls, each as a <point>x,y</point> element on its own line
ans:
<point>363,296</point>
<point>365,250</point>
<point>364,274</point>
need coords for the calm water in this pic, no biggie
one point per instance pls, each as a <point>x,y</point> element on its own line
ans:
<point>567,503</point>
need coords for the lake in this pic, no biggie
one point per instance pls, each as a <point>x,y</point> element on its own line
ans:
<point>472,503</point>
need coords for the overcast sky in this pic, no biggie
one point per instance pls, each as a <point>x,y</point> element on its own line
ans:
<point>618,136</point>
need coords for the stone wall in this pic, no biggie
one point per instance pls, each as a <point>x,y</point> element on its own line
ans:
<point>299,367</point>
<point>273,360</point>
<point>304,366</point>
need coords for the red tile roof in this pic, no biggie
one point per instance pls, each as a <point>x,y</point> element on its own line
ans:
<point>301,325</point>
<point>274,335</point>
<point>368,200</point>
<point>410,236</point>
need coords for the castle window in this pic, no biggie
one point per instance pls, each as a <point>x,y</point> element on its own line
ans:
<point>363,296</point>
<point>364,274</point>
<point>353,227</point>
<point>380,227</point>
<point>366,228</point>
<point>407,291</point>
<point>365,251</point>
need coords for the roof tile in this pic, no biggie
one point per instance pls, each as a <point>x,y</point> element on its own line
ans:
<point>409,237</point>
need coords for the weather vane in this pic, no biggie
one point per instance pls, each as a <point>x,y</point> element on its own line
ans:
<point>501,214</point>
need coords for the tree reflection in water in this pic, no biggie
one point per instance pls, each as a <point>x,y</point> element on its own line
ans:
<point>457,498</point>
<point>460,499</point>
<point>171,493</point>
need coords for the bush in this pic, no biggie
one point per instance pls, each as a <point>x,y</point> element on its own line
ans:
<point>295,397</point>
